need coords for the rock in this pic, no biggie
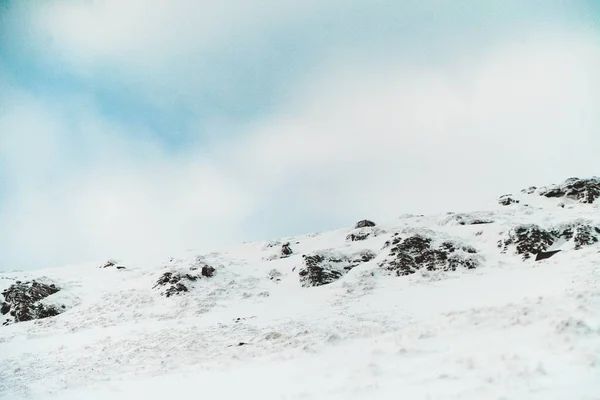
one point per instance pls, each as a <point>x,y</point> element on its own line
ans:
<point>363,233</point>
<point>120,267</point>
<point>173,281</point>
<point>364,224</point>
<point>542,255</point>
<point>175,289</point>
<point>528,240</point>
<point>507,200</point>
<point>419,251</point>
<point>582,190</point>
<point>286,250</point>
<point>327,266</point>
<point>109,263</point>
<point>358,236</point>
<point>208,271</point>
<point>316,275</point>
<point>582,234</point>
<point>22,300</point>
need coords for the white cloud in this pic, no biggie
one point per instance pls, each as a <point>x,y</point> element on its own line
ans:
<point>365,137</point>
<point>388,139</point>
<point>82,187</point>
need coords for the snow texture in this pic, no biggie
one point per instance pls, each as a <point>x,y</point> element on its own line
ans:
<point>251,323</point>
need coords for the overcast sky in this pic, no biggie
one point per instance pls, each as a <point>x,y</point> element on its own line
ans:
<point>133,127</point>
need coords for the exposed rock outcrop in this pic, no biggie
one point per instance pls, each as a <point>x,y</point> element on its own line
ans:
<point>582,190</point>
<point>22,302</point>
<point>507,200</point>
<point>175,282</point>
<point>410,254</point>
<point>327,266</point>
<point>529,240</point>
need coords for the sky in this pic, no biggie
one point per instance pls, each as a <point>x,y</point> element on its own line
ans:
<point>132,127</point>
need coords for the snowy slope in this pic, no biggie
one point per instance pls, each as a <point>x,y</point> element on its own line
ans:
<point>512,328</point>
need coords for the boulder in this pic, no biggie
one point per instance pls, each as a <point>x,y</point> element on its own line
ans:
<point>286,250</point>
<point>507,200</point>
<point>364,224</point>
<point>542,255</point>
<point>208,271</point>
<point>22,301</point>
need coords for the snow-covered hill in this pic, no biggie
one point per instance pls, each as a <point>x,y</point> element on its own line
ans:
<point>449,306</point>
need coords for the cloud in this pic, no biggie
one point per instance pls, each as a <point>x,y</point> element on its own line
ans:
<point>392,138</point>
<point>78,187</point>
<point>351,128</point>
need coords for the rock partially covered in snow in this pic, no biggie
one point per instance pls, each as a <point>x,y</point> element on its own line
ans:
<point>529,240</point>
<point>582,190</point>
<point>208,271</point>
<point>174,282</point>
<point>327,266</point>
<point>467,219</point>
<point>408,255</point>
<point>22,301</point>
<point>582,234</point>
<point>507,200</point>
<point>359,234</point>
<point>364,224</point>
<point>286,250</point>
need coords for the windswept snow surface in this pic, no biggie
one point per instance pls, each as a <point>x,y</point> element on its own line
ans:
<point>510,329</point>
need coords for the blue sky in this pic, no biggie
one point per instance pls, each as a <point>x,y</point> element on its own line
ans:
<point>131,127</point>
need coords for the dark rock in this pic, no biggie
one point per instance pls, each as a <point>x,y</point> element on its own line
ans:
<point>176,289</point>
<point>325,267</point>
<point>174,282</point>
<point>47,311</point>
<point>507,200</point>
<point>542,255</point>
<point>582,190</point>
<point>528,240</point>
<point>584,236</point>
<point>286,250</point>
<point>358,236</point>
<point>364,224</point>
<point>208,271</point>
<point>316,275</point>
<point>419,251</point>
<point>109,263</point>
<point>120,267</point>
<point>21,300</point>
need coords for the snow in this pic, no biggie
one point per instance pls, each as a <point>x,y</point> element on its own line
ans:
<point>510,329</point>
